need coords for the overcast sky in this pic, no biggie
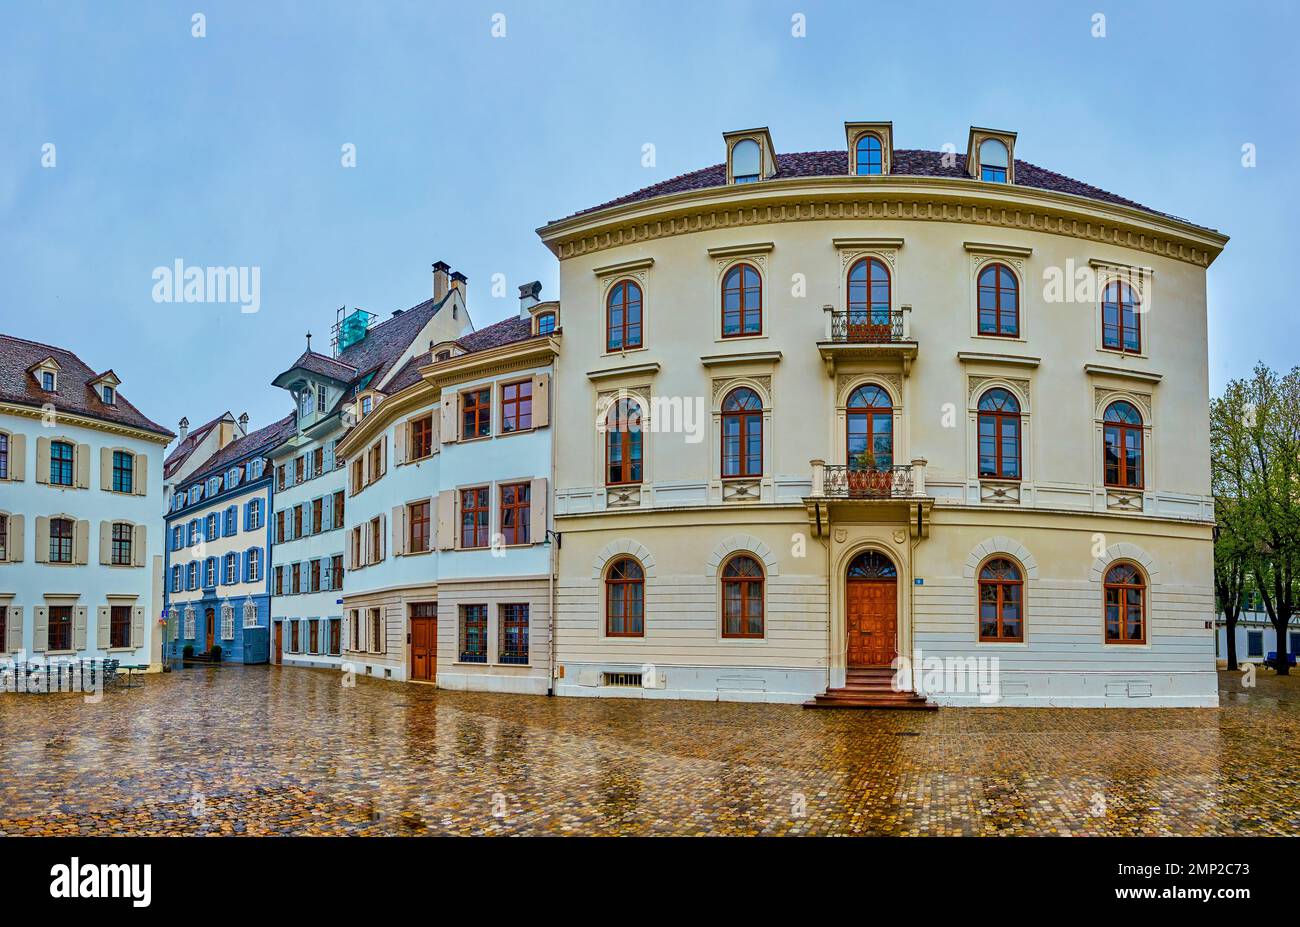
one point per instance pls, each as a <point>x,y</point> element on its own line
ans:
<point>227,149</point>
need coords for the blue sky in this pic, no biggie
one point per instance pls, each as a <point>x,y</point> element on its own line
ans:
<point>225,150</point>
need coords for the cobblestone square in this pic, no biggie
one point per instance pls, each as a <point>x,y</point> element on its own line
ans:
<point>263,750</point>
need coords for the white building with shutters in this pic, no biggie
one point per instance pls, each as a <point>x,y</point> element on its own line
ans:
<point>449,565</point>
<point>81,498</point>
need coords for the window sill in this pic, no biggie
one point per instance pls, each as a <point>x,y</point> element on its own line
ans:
<point>518,431</point>
<point>731,339</point>
<point>486,437</point>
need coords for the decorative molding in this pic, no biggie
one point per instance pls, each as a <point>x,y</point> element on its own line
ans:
<point>1124,551</point>
<point>624,267</point>
<point>85,421</point>
<point>731,251</point>
<point>742,491</point>
<point>977,384</point>
<point>1104,396</point>
<point>742,543</point>
<point>1000,544</point>
<point>1100,265</point>
<point>1011,360</point>
<point>723,384</point>
<point>619,548</point>
<point>847,381</point>
<point>1123,373</point>
<point>757,357</point>
<point>867,244</point>
<point>649,369</point>
<point>983,247</point>
<point>902,198</point>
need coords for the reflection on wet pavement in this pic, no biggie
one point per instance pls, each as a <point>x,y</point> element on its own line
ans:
<point>264,750</point>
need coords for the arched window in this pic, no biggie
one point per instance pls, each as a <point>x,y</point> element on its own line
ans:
<point>1122,437</point>
<point>1126,605</point>
<point>869,301</point>
<point>742,302</point>
<point>870,427</point>
<point>545,323</point>
<point>623,443</point>
<point>623,316</point>
<point>746,161</point>
<point>993,161</point>
<point>1120,318</point>
<point>742,433</point>
<point>742,597</point>
<point>1001,597</point>
<point>999,435</point>
<point>871,564</point>
<point>869,159</point>
<point>625,599</point>
<point>999,302</point>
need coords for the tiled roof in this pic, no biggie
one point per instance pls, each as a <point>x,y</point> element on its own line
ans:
<point>498,334</point>
<point>324,365</point>
<point>75,395</point>
<point>384,343</point>
<point>906,162</point>
<point>261,440</point>
<point>185,448</point>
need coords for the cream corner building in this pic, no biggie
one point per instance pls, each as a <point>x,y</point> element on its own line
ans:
<point>819,411</point>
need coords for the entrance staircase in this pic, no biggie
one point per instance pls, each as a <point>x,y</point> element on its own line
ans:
<point>871,687</point>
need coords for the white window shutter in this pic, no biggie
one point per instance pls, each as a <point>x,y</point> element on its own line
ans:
<point>14,629</point>
<point>138,538</point>
<point>81,463</point>
<point>42,459</point>
<point>105,542</point>
<point>137,626</point>
<point>41,631</point>
<point>449,407</point>
<point>140,475</point>
<point>447,519</point>
<point>18,458</point>
<point>81,543</point>
<point>541,400</point>
<point>15,545</point>
<point>399,443</point>
<point>399,530</point>
<point>537,502</point>
<point>105,468</point>
<point>103,617</point>
<point>79,615</point>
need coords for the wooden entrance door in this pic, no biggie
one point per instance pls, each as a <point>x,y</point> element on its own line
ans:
<point>209,619</point>
<point>279,642</point>
<point>424,648</point>
<point>871,613</point>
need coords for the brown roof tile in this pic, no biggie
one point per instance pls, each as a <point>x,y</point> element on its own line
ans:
<point>264,439</point>
<point>75,395</point>
<point>906,162</point>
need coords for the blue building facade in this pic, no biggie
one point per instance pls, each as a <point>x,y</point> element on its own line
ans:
<point>218,554</point>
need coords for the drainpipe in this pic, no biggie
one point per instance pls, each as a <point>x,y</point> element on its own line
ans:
<point>555,548</point>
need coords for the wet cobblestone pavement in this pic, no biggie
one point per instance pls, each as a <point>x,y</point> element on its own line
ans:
<point>263,750</point>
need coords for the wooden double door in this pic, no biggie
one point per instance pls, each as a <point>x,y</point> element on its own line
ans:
<point>871,620</point>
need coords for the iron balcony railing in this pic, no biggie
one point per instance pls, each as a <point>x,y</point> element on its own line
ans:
<point>863,326</point>
<point>838,481</point>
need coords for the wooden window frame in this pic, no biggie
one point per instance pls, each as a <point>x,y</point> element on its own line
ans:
<point>338,509</point>
<point>521,510</point>
<point>625,327</point>
<point>64,623</point>
<point>996,268</point>
<point>998,417</point>
<point>119,627</point>
<point>747,594</point>
<point>1119,589</point>
<point>742,417</point>
<point>617,419</point>
<point>336,572</point>
<point>476,407</point>
<point>475,509</point>
<point>1120,430</point>
<point>879,155</point>
<point>516,406</point>
<point>414,521</point>
<point>867,308</point>
<point>868,413</point>
<point>744,310</point>
<point>1001,600</point>
<point>420,445</point>
<point>121,540</point>
<point>1135,303</point>
<point>542,317</point>
<point>317,514</point>
<point>620,588</point>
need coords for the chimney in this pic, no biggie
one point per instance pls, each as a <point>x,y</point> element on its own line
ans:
<point>529,295</point>
<point>440,279</point>
<point>460,282</point>
<point>184,427</point>
<point>243,425</point>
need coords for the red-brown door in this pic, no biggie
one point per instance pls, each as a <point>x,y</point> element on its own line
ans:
<point>871,612</point>
<point>424,648</point>
<point>279,642</point>
<point>209,619</point>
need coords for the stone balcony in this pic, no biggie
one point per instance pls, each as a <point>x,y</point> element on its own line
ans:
<point>891,493</point>
<point>864,335</point>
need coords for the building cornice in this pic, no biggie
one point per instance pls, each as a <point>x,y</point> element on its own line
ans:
<point>382,415</point>
<point>897,197</point>
<point>86,421</point>
<point>507,358</point>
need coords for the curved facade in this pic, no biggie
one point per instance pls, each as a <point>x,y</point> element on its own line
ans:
<point>952,419</point>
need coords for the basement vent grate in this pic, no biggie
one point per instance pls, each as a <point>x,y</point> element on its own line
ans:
<point>625,680</point>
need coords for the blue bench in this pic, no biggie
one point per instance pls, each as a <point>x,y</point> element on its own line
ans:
<point>1272,659</point>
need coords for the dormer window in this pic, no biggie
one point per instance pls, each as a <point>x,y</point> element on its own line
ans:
<point>993,161</point>
<point>545,323</point>
<point>746,161</point>
<point>320,400</point>
<point>442,356</point>
<point>109,395</point>
<point>869,155</point>
<point>47,380</point>
<point>366,406</point>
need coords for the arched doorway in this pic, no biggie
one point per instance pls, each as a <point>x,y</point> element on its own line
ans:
<point>871,610</point>
<point>209,619</point>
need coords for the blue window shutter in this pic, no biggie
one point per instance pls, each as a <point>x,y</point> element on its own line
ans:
<point>247,568</point>
<point>248,525</point>
<point>327,462</point>
<point>306,518</point>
